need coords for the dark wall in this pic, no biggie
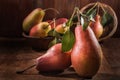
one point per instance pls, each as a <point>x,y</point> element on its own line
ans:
<point>12,12</point>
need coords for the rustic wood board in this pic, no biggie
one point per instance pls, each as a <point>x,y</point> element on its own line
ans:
<point>17,57</point>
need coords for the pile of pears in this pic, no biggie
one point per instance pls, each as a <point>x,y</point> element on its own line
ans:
<point>85,54</point>
<point>34,26</point>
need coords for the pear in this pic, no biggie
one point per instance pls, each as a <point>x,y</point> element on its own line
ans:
<point>40,30</point>
<point>61,28</point>
<point>57,22</point>
<point>86,53</point>
<point>32,19</point>
<point>61,21</point>
<point>97,27</point>
<point>53,60</point>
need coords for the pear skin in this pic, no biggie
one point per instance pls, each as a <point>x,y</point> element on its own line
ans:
<point>86,53</point>
<point>57,22</point>
<point>32,19</point>
<point>97,27</point>
<point>54,60</point>
<point>61,21</point>
<point>40,30</point>
<point>61,28</point>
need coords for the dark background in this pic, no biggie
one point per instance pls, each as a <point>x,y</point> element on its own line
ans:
<point>12,12</point>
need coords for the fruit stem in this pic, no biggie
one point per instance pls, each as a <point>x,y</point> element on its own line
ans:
<point>78,13</point>
<point>52,9</point>
<point>22,71</point>
<point>83,15</point>
<point>98,8</point>
<point>102,7</point>
<point>92,7</point>
<point>54,22</point>
<point>70,20</point>
<point>73,14</point>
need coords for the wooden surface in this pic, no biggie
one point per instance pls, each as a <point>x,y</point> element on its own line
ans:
<point>15,55</point>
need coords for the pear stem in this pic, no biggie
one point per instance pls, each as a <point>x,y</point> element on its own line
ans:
<point>73,14</point>
<point>54,22</point>
<point>98,8</point>
<point>70,20</point>
<point>78,13</point>
<point>22,71</point>
<point>101,5</point>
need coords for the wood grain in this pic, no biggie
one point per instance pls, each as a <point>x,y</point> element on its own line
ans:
<point>19,56</point>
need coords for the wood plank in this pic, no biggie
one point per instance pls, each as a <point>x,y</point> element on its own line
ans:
<point>19,57</point>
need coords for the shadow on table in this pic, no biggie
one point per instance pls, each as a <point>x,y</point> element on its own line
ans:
<point>68,73</point>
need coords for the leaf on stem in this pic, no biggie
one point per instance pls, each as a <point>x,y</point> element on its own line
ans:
<point>86,25</point>
<point>75,18</point>
<point>67,41</point>
<point>53,42</point>
<point>106,19</point>
<point>69,23</point>
<point>90,17</point>
<point>82,21</point>
<point>91,12</point>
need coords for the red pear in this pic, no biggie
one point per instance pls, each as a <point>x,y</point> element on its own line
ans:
<point>61,28</point>
<point>40,30</point>
<point>97,27</point>
<point>86,53</point>
<point>61,21</point>
<point>54,60</point>
<point>57,22</point>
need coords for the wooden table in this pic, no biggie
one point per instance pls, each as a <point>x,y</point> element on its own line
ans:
<point>16,55</point>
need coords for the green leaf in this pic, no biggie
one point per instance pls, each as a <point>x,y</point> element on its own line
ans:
<point>75,18</point>
<point>54,33</point>
<point>91,12</point>
<point>67,41</point>
<point>50,33</point>
<point>69,23</point>
<point>85,25</point>
<point>54,41</point>
<point>91,18</point>
<point>106,19</point>
<point>82,21</point>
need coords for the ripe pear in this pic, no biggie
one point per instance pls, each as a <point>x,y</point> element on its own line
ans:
<point>97,27</point>
<point>57,22</point>
<point>32,19</point>
<point>53,60</point>
<point>40,30</point>
<point>61,28</point>
<point>86,53</point>
<point>61,21</point>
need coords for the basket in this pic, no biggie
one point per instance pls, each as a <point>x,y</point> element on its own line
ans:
<point>108,31</point>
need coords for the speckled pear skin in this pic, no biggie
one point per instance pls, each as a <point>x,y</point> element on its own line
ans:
<point>86,53</point>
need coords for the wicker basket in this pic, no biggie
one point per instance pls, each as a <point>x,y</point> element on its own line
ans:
<point>108,31</point>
